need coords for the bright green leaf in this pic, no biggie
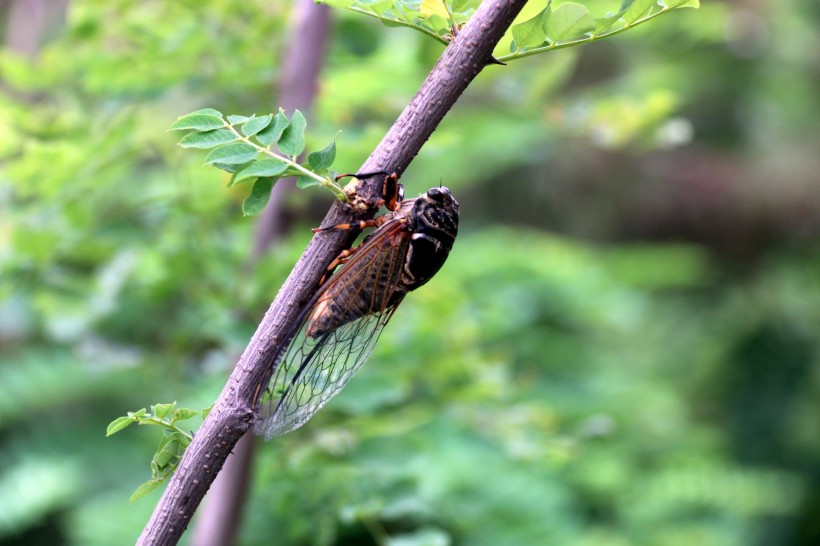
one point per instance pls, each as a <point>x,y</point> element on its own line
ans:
<point>676,4</point>
<point>323,158</point>
<point>638,9</point>
<point>205,411</point>
<point>273,132</point>
<point>259,196</point>
<point>292,142</point>
<point>238,152</point>
<point>118,424</point>
<point>530,33</point>
<point>207,139</point>
<point>161,410</point>
<point>184,413</point>
<point>262,168</point>
<point>139,413</point>
<point>569,21</point>
<point>143,490</point>
<point>254,125</point>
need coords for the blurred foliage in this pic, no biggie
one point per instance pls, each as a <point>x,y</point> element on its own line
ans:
<point>622,349</point>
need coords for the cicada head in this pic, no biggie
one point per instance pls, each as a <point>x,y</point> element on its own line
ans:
<point>434,224</point>
<point>435,213</point>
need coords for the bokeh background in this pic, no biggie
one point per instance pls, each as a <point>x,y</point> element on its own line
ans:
<point>623,349</point>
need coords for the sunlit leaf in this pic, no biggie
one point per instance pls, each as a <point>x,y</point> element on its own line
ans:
<point>569,21</point>
<point>433,7</point>
<point>531,33</point>
<point>118,424</point>
<point>143,490</point>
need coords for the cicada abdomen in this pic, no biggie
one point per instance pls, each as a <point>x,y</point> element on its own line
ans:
<point>339,328</point>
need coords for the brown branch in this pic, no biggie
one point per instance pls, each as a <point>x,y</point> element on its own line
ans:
<point>221,513</point>
<point>233,412</point>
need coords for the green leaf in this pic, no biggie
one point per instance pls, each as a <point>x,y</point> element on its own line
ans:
<point>530,33</point>
<point>261,168</point>
<point>323,158</point>
<point>236,120</point>
<point>677,4</point>
<point>143,490</point>
<point>254,125</point>
<point>184,413</point>
<point>161,410</point>
<point>637,9</point>
<point>231,168</point>
<point>207,139</point>
<point>292,142</point>
<point>169,451</point>
<point>305,181</point>
<point>259,196</point>
<point>118,424</point>
<point>205,412</point>
<point>139,413</point>
<point>201,120</point>
<point>273,132</point>
<point>238,152</point>
<point>569,21</point>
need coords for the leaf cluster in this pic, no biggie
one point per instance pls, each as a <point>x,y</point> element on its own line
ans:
<point>552,27</point>
<point>243,146</point>
<point>172,443</point>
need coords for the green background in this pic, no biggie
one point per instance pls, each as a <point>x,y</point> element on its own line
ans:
<point>622,349</point>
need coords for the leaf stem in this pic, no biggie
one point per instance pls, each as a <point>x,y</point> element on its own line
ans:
<point>163,423</point>
<point>592,38</point>
<point>335,188</point>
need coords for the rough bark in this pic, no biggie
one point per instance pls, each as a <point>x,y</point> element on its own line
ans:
<point>217,523</point>
<point>233,412</point>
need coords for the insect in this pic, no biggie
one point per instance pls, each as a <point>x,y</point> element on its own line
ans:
<point>339,327</point>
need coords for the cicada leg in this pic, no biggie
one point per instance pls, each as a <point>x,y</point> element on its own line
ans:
<point>347,253</point>
<point>392,191</point>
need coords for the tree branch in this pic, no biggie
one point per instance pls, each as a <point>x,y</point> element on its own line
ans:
<point>233,412</point>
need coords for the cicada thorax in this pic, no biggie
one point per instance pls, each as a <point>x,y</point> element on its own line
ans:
<point>419,238</point>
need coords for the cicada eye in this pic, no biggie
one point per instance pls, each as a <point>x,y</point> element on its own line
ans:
<point>400,193</point>
<point>438,194</point>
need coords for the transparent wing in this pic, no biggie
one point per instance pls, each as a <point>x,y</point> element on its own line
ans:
<point>314,369</point>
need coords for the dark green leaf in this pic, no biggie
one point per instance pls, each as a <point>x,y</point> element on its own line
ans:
<point>143,490</point>
<point>231,168</point>
<point>273,132</point>
<point>201,120</point>
<point>305,181</point>
<point>292,142</point>
<point>254,125</point>
<point>118,424</point>
<point>262,168</point>
<point>238,152</point>
<point>259,196</point>
<point>323,158</point>
<point>208,139</point>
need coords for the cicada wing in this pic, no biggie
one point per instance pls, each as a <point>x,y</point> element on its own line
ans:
<point>314,370</point>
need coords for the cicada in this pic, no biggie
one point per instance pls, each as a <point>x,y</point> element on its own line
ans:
<point>339,327</point>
